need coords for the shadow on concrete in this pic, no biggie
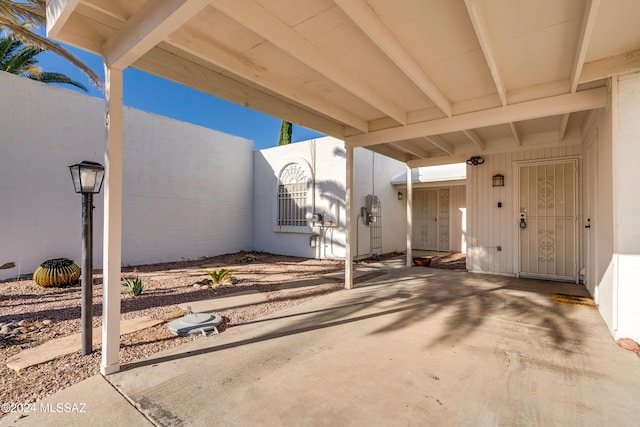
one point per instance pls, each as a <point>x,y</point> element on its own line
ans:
<point>465,300</point>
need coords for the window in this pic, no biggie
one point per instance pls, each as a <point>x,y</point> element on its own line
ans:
<point>292,196</point>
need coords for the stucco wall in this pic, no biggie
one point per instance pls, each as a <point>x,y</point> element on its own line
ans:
<point>187,189</point>
<point>326,156</point>
<point>598,207</point>
<point>626,232</point>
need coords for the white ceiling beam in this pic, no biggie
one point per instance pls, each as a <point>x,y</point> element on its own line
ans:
<point>435,161</point>
<point>215,54</point>
<point>154,21</point>
<point>586,28</point>
<point>440,143</point>
<point>479,25</point>
<point>628,62</point>
<point>394,153</point>
<point>516,133</point>
<point>561,104</point>
<point>537,141</point>
<point>475,138</point>
<point>168,66</point>
<point>273,29</point>
<point>410,149</point>
<point>361,13</point>
<point>58,12</point>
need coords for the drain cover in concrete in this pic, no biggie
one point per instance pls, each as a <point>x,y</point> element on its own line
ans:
<point>195,323</point>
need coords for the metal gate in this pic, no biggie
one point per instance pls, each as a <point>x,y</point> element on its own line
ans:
<point>548,220</point>
<point>376,227</point>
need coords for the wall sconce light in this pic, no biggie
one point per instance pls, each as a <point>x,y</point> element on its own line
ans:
<point>498,180</point>
<point>400,195</point>
<point>475,161</point>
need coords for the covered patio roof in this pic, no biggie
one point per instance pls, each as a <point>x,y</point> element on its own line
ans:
<point>422,81</point>
<point>426,82</point>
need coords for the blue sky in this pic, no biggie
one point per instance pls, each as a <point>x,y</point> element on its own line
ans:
<point>156,95</point>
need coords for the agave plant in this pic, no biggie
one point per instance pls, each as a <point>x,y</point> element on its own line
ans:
<point>220,276</point>
<point>56,272</point>
<point>134,286</point>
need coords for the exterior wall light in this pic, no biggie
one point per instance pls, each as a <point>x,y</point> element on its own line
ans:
<point>498,180</point>
<point>87,180</point>
<point>400,195</point>
<point>475,161</point>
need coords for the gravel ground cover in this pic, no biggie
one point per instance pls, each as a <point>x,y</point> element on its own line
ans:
<point>48,313</point>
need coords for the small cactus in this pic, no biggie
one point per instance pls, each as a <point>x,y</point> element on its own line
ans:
<point>56,272</point>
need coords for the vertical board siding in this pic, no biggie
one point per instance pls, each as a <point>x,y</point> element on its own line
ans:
<point>490,227</point>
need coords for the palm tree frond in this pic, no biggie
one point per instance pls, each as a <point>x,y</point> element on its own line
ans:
<point>31,11</point>
<point>51,77</point>
<point>20,59</point>
<point>29,37</point>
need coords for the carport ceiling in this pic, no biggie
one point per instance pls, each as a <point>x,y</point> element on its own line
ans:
<point>423,81</point>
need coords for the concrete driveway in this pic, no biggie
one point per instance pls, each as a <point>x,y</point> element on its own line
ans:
<point>419,347</point>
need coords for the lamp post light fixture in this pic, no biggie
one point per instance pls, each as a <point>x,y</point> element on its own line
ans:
<point>87,179</point>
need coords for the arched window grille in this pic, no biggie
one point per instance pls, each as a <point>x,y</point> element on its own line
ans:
<point>292,196</point>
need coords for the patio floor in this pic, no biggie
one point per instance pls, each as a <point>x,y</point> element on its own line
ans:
<point>418,346</point>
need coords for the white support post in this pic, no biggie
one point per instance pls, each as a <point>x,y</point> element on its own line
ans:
<point>409,215</point>
<point>348,257</point>
<point>112,249</point>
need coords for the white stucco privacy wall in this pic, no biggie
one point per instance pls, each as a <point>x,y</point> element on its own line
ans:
<point>187,190</point>
<point>327,159</point>
<point>626,231</point>
<point>598,210</point>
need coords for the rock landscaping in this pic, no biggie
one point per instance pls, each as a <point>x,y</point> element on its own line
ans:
<point>31,315</point>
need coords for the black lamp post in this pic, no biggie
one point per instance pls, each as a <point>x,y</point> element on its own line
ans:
<point>87,179</point>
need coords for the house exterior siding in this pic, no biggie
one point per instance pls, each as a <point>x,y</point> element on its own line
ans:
<point>492,231</point>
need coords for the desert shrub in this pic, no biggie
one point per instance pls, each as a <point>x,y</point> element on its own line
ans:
<point>220,276</point>
<point>134,286</point>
